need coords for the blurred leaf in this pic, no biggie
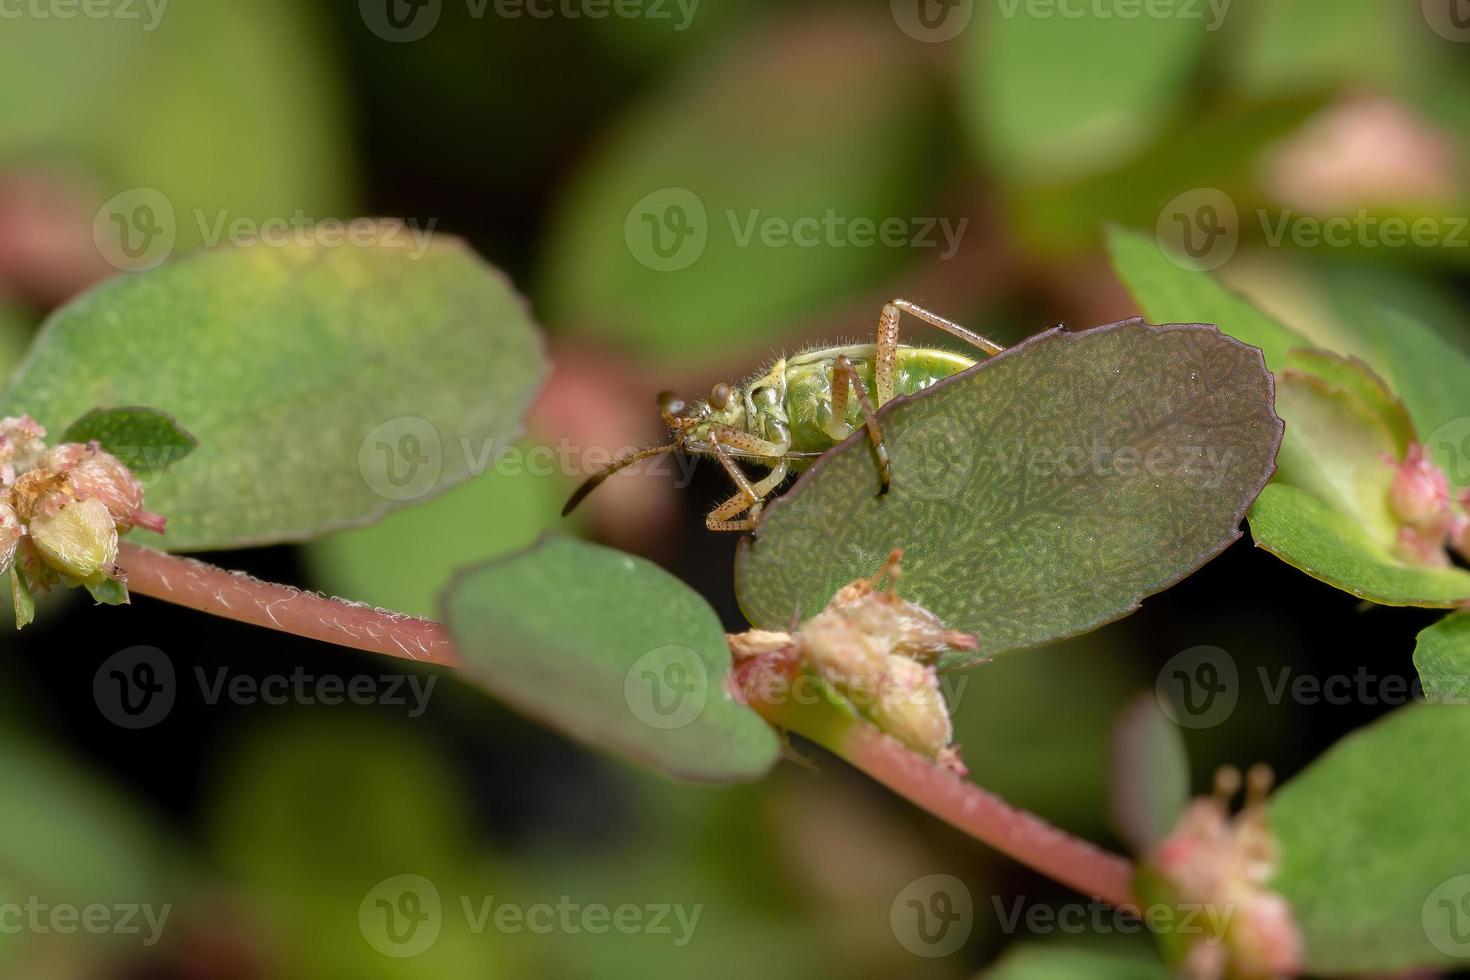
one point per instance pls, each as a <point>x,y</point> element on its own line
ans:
<point>996,713</point>
<point>15,337</point>
<point>1434,378</point>
<point>1313,536</point>
<point>1150,774</point>
<point>316,818</point>
<point>221,108</point>
<point>660,245</point>
<point>1373,836</point>
<point>611,650</point>
<point>1049,92</point>
<point>1035,962</point>
<point>146,440</point>
<point>402,562</point>
<point>1038,495</point>
<point>1218,147</point>
<point>1287,46</point>
<point>1442,657</point>
<point>1168,292</point>
<point>66,835</point>
<point>325,385</point>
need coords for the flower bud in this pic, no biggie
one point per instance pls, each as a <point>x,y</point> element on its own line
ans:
<point>1226,865</point>
<point>1460,534</point>
<point>10,534</point>
<point>98,475</point>
<point>79,540</point>
<point>1420,494</point>
<point>910,707</point>
<point>21,442</point>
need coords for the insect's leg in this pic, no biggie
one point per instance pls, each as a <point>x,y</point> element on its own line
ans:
<point>934,319</point>
<point>741,481</point>
<point>719,518</point>
<point>887,359</point>
<point>752,444</point>
<point>844,374</point>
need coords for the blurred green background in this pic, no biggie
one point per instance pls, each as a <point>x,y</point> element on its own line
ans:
<point>682,190</point>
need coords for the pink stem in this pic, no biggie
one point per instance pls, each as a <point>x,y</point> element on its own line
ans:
<point>235,595</point>
<point>986,817</point>
<point>983,815</point>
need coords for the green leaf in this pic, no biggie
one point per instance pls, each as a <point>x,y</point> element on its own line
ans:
<point>1061,118</point>
<point>1150,774</point>
<point>1374,839</point>
<point>610,650</point>
<point>109,592</point>
<point>22,602</point>
<point>1169,292</point>
<point>1442,657</point>
<point>703,222</point>
<point>1325,543</point>
<point>1332,521</point>
<point>196,105</point>
<point>1042,493</point>
<point>1367,389</point>
<point>326,385</point>
<point>146,440</point>
<point>1337,450</point>
<point>1036,962</point>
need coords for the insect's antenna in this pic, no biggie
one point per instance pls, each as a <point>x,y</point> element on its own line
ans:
<point>611,468</point>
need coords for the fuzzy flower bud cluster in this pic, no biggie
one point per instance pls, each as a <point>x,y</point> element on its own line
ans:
<point>877,651</point>
<point>1214,861</point>
<point>1430,519</point>
<point>62,509</point>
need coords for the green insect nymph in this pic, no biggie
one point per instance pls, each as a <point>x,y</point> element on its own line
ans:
<point>786,417</point>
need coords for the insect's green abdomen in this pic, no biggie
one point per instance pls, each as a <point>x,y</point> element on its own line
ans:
<point>809,387</point>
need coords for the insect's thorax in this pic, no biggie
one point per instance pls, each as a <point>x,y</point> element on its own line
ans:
<point>808,386</point>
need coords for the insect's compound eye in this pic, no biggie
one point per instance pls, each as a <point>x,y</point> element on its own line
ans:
<point>670,403</point>
<point>719,396</point>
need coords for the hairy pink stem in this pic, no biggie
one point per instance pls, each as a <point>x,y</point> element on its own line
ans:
<point>235,595</point>
<point>983,815</point>
<point>986,817</point>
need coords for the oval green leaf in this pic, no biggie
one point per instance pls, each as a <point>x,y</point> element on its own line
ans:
<point>325,385</point>
<point>610,650</point>
<point>1375,846</point>
<point>1442,657</point>
<point>1324,542</point>
<point>725,206</point>
<point>146,440</point>
<point>1039,494</point>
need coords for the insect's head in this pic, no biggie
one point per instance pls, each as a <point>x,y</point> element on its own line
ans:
<point>725,406</point>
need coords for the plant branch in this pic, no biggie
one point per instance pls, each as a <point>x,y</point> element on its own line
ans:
<point>235,595</point>
<point>978,813</point>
